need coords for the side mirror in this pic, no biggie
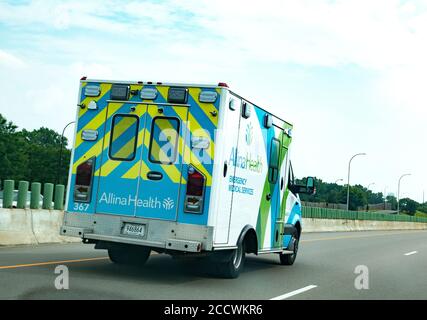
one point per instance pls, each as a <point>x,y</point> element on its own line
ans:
<point>309,187</point>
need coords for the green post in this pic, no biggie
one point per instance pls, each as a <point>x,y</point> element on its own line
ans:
<point>8,193</point>
<point>22,194</point>
<point>59,197</point>
<point>35,195</point>
<point>47,196</point>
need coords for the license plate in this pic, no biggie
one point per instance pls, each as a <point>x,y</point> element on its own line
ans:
<point>132,229</point>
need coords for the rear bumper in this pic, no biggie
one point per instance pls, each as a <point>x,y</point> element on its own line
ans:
<point>160,234</point>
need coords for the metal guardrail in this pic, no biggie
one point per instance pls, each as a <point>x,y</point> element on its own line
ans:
<point>322,213</point>
<point>52,198</point>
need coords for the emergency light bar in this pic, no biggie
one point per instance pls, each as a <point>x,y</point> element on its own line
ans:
<point>268,121</point>
<point>208,96</point>
<point>198,142</point>
<point>246,110</point>
<point>92,91</point>
<point>148,94</point>
<point>89,135</point>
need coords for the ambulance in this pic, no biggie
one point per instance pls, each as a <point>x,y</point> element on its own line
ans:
<point>183,169</point>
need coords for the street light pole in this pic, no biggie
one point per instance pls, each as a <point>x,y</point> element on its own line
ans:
<point>338,180</point>
<point>60,153</point>
<point>398,190</point>
<point>348,178</point>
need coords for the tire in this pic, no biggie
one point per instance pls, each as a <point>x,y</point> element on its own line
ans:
<point>289,259</point>
<point>232,263</point>
<point>136,256</point>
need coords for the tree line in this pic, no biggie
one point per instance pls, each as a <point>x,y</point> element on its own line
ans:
<point>360,197</point>
<point>32,155</point>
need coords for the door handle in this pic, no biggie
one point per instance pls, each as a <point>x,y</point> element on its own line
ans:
<point>225,169</point>
<point>154,175</point>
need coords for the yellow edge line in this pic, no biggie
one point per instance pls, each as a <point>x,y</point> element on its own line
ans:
<point>50,263</point>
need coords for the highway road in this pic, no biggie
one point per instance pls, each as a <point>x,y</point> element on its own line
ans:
<point>396,262</point>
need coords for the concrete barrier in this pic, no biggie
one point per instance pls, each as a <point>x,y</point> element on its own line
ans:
<point>46,225</point>
<point>339,225</point>
<point>26,226</point>
<point>16,227</point>
<point>35,226</point>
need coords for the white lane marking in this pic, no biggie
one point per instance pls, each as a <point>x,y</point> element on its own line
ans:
<point>411,253</point>
<point>294,293</point>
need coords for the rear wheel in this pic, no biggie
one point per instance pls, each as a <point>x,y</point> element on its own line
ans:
<point>230,264</point>
<point>134,255</point>
<point>289,259</point>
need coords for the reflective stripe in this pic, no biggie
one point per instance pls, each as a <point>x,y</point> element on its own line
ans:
<point>207,108</point>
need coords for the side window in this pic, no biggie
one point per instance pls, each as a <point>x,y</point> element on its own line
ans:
<point>124,135</point>
<point>273,169</point>
<point>291,175</point>
<point>164,140</point>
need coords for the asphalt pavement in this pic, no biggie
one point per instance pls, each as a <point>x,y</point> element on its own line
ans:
<point>350,265</point>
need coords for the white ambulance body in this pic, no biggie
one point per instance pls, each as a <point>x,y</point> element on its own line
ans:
<point>181,169</point>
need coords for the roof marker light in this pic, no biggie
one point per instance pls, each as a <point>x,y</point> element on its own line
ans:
<point>92,105</point>
<point>222,84</point>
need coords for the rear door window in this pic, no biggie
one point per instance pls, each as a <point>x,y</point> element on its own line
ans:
<point>124,134</point>
<point>164,140</point>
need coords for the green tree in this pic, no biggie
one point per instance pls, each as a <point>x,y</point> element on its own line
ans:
<point>408,206</point>
<point>31,155</point>
<point>358,197</point>
<point>393,201</point>
<point>423,207</point>
<point>43,151</point>
<point>13,147</point>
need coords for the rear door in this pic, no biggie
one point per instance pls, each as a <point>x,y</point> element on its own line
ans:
<point>161,162</point>
<point>121,159</point>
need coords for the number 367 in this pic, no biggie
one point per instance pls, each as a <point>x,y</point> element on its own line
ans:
<point>81,206</point>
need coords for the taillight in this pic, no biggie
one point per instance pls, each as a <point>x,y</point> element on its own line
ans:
<point>195,191</point>
<point>84,179</point>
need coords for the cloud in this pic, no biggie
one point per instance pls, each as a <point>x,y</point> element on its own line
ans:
<point>372,34</point>
<point>8,60</point>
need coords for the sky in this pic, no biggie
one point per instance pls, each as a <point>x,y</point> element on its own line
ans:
<point>350,75</point>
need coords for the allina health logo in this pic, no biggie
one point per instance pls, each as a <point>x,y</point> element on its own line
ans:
<point>168,203</point>
<point>150,202</point>
<point>249,136</point>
